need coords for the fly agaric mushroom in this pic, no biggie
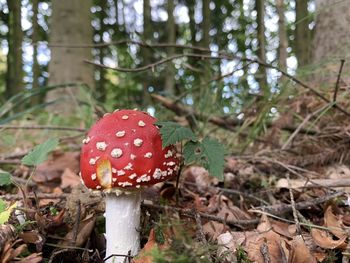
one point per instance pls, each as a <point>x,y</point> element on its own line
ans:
<point>121,154</point>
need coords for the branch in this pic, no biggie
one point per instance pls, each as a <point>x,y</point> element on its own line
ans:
<point>40,127</point>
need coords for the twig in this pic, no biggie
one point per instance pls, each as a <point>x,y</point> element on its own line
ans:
<point>284,208</point>
<point>200,229</point>
<point>264,249</point>
<point>292,203</point>
<point>40,127</point>
<point>10,197</point>
<point>77,223</point>
<point>297,130</point>
<point>232,191</point>
<point>342,62</point>
<point>189,213</point>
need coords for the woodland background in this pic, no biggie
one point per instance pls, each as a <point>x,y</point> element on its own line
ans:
<point>268,79</point>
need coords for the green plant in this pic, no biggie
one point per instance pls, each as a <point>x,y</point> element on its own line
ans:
<point>207,152</point>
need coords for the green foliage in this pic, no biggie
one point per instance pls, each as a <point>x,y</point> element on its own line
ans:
<point>173,132</point>
<point>40,152</point>
<point>209,153</point>
<point>5,178</point>
<point>2,205</point>
<point>5,215</point>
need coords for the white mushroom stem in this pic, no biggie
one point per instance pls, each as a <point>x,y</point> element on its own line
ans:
<point>122,225</point>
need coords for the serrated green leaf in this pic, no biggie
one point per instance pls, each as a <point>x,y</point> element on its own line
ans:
<point>172,133</point>
<point>5,215</point>
<point>5,178</point>
<point>215,154</point>
<point>40,152</point>
<point>209,153</point>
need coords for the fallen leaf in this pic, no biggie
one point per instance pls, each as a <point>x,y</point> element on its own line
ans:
<point>69,179</point>
<point>333,223</point>
<point>213,229</point>
<point>324,240</point>
<point>299,252</point>
<point>144,256</point>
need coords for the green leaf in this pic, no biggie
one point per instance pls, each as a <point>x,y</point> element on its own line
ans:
<point>40,152</point>
<point>209,153</point>
<point>5,215</point>
<point>3,205</point>
<point>5,178</point>
<point>172,133</point>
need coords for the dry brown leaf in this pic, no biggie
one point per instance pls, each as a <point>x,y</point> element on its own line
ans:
<point>213,229</point>
<point>84,231</point>
<point>324,240</point>
<point>52,169</point>
<point>334,224</point>
<point>144,255</point>
<point>69,179</point>
<point>33,258</point>
<point>299,252</point>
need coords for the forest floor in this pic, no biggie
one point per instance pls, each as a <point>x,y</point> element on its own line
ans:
<point>276,204</point>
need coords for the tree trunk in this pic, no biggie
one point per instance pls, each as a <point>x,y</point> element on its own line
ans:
<point>35,39</point>
<point>14,75</point>
<point>101,81</point>
<point>302,33</point>
<point>332,40</point>
<point>146,54</point>
<point>191,6</point>
<point>70,25</point>
<point>260,19</point>
<point>206,23</point>
<point>282,35</point>
<point>171,32</point>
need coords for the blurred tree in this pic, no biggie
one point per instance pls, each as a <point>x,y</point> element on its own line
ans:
<point>260,20</point>
<point>282,35</point>
<point>70,29</point>
<point>332,39</point>
<point>35,39</point>
<point>14,75</point>
<point>302,33</point>
<point>171,33</point>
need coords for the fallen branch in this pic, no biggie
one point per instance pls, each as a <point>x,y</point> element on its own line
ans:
<point>40,127</point>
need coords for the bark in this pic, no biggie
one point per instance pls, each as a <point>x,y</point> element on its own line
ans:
<point>191,6</point>
<point>35,39</point>
<point>206,23</point>
<point>70,25</point>
<point>14,75</point>
<point>146,54</point>
<point>282,35</point>
<point>262,76</point>
<point>171,33</point>
<point>101,82</point>
<point>332,40</point>
<point>302,33</point>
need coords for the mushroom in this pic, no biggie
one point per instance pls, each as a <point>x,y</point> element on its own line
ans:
<point>121,154</point>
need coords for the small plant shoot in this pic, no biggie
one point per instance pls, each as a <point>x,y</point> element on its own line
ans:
<point>40,152</point>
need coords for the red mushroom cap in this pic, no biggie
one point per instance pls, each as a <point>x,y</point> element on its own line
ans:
<point>124,150</point>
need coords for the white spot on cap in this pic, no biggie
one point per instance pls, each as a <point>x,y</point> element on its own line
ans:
<point>143,178</point>
<point>125,117</point>
<point>133,130</point>
<point>133,176</point>
<point>120,134</point>
<point>116,152</point>
<point>138,142</point>
<point>132,156</point>
<point>157,174</point>
<point>114,170</point>
<point>168,154</point>
<point>148,155</point>
<point>164,173</point>
<point>128,167</point>
<point>106,114</point>
<point>141,124</point>
<point>98,187</point>
<point>138,186</point>
<point>86,140</point>
<point>124,184</point>
<point>120,172</point>
<point>93,177</point>
<point>114,180</point>
<point>101,146</point>
<point>92,161</point>
<point>135,109</point>
<point>170,164</point>
<point>116,110</point>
